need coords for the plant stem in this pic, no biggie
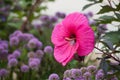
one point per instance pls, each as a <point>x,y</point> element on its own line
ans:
<point>30,13</point>
<point>112,7</point>
<point>108,54</point>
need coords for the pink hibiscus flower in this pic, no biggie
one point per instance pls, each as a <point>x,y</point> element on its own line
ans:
<point>72,35</point>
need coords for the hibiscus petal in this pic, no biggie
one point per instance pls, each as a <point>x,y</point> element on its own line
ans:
<point>73,21</point>
<point>65,53</point>
<point>85,38</point>
<point>58,35</point>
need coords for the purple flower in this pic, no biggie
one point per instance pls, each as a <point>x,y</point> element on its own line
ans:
<point>27,36</point>
<point>16,53</point>
<point>99,76</point>
<point>32,43</point>
<point>39,53</point>
<point>39,44</point>
<point>48,49</point>
<point>60,15</point>
<point>44,18</point>
<point>17,32</point>
<point>34,63</point>
<point>83,70</point>
<point>54,76</point>
<point>67,73</point>
<point>53,19</point>
<point>10,56</point>
<point>89,14</point>
<point>24,68</point>
<point>67,78</point>
<point>3,72</point>
<point>3,54</point>
<point>14,41</point>
<point>75,73</point>
<point>87,75</point>
<point>92,68</point>
<point>31,54</point>
<point>102,28</point>
<point>4,44</point>
<point>37,24</point>
<point>12,62</point>
<point>1,48</point>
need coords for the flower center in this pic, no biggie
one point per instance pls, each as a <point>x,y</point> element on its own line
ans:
<point>71,39</point>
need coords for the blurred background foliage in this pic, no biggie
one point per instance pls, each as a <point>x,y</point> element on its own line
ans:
<point>26,16</point>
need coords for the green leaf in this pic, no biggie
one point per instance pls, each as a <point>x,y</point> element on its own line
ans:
<point>118,7</point>
<point>104,65</point>
<point>106,19</point>
<point>105,9</point>
<point>113,36</point>
<point>109,44</point>
<point>88,5</point>
<point>118,16</point>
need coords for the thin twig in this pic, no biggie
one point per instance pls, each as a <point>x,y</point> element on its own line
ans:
<point>112,7</point>
<point>108,54</point>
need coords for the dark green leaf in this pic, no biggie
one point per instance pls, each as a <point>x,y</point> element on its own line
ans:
<point>109,44</point>
<point>104,65</point>
<point>114,37</point>
<point>106,19</point>
<point>118,7</point>
<point>106,9</point>
<point>88,5</point>
<point>118,16</point>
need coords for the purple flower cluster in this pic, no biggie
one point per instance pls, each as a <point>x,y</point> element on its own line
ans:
<point>53,76</point>
<point>3,49</point>
<point>3,72</point>
<point>85,73</point>
<point>48,49</point>
<point>47,21</point>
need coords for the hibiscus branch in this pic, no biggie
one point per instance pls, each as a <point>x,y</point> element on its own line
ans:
<point>108,54</point>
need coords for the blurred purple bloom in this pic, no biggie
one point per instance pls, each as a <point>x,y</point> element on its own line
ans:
<point>1,48</point>
<point>27,36</point>
<point>83,70</point>
<point>34,63</point>
<point>92,68</point>
<point>102,28</point>
<point>92,22</point>
<point>44,18</point>
<point>48,49</point>
<point>75,73</point>
<point>54,76</point>
<point>60,14</point>
<point>10,56</point>
<point>67,73</point>
<point>39,44</point>
<point>32,43</point>
<point>17,32</point>
<point>24,68</point>
<point>67,78</point>
<point>99,76</point>
<point>87,75</point>
<point>14,41</point>
<point>39,53</point>
<point>89,14</point>
<point>31,54</point>
<point>37,24</point>
<point>53,19</point>
<point>12,62</point>
<point>16,53</point>
<point>3,72</point>
<point>3,54</point>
